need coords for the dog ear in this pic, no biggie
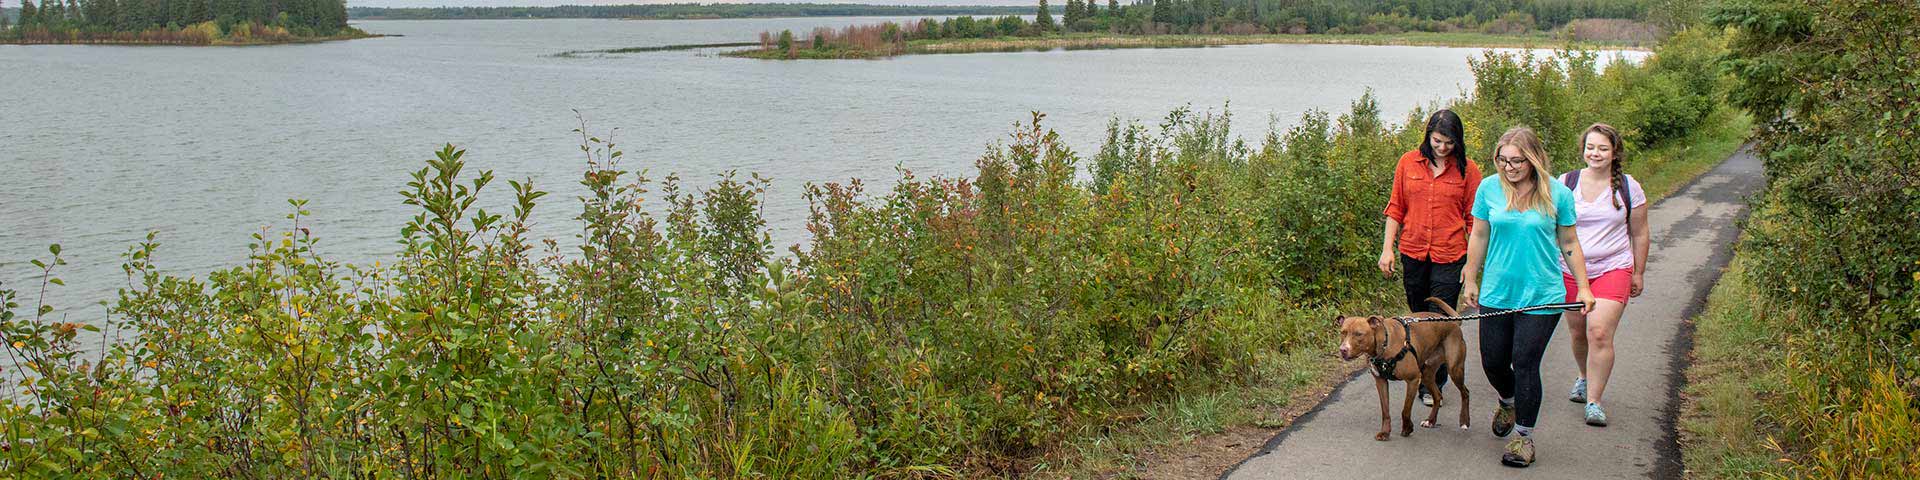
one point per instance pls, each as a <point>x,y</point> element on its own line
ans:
<point>1373,321</point>
<point>1339,320</point>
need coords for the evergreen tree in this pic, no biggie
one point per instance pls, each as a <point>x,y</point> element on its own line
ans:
<point>176,12</point>
<point>1092,10</point>
<point>52,13</point>
<point>1072,15</point>
<point>73,12</point>
<point>1044,19</point>
<point>28,14</point>
<point>1162,11</point>
<point>1113,7</point>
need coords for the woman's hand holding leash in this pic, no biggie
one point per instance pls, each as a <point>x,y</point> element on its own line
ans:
<point>1470,295</point>
<point>1386,263</point>
<point>1586,300</point>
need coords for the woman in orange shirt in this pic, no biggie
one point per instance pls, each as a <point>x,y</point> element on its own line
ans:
<point>1429,213</point>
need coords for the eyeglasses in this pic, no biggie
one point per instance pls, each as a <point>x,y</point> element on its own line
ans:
<point>1511,161</point>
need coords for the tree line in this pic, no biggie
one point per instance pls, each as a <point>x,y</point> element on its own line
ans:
<point>674,10</point>
<point>1242,17</point>
<point>83,20</point>
<point>1337,16</point>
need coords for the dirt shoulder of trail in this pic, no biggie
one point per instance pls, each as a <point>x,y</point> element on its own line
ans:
<point>1210,456</point>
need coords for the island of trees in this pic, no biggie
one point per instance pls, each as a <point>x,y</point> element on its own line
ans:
<point>1154,23</point>
<point>181,22</point>
<point>668,11</point>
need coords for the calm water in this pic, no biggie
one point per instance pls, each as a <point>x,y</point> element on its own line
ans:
<point>99,145</point>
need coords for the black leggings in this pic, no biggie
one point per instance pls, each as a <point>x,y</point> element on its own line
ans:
<point>1510,349</point>
<point>1424,279</point>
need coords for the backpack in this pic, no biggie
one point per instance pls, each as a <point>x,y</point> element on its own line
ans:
<point>1572,181</point>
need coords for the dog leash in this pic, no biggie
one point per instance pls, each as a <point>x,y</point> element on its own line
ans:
<point>1477,316</point>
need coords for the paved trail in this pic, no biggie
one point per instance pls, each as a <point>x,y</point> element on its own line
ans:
<point>1693,237</point>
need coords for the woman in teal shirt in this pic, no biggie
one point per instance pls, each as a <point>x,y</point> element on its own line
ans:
<point>1525,225</point>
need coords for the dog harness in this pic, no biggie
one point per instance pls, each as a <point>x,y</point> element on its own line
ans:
<point>1383,368</point>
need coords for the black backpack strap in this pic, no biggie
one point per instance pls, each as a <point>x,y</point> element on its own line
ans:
<point>1626,200</point>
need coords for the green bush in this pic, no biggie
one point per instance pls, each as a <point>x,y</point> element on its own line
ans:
<point>1664,108</point>
<point>1832,84</point>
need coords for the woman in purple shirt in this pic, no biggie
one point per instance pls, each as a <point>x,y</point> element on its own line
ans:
<point>1612,226</point>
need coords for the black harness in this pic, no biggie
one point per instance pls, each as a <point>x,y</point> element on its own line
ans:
<point>1383,367</point>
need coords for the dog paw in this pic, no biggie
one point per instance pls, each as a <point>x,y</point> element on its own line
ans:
<point>1463,427</point>
<point>1406,430</point>
<point>1382,436</point>
<point>1427,424</point>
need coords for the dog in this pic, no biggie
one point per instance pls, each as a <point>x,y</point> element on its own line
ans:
<point>1384,341</point>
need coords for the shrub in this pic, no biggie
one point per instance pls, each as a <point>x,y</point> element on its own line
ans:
<point>1834,242</point>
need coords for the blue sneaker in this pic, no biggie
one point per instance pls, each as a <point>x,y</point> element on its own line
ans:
<point>1596,416</point>
<point>1579,392</point>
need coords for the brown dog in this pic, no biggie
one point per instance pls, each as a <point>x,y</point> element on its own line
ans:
<point>1385,341</point>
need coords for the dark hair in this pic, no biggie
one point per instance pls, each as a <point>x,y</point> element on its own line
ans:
<point>1444,122</point>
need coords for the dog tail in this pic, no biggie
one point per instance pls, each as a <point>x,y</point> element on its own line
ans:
<point>1448,309</point>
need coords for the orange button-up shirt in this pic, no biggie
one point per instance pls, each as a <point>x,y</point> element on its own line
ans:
<point>1435,213</point>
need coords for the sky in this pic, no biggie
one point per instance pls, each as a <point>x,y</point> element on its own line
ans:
<point>549,3</point>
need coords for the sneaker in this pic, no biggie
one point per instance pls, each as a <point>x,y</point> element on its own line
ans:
<point>1596,416</point>
<point>1519,453</point>
<point>1503,421</point>
<point>1426,398</point>
<point>1579,393</point>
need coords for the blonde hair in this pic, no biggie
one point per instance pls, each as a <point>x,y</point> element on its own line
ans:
<point>1535,152</point>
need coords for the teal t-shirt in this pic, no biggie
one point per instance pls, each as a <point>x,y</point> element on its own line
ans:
<point>1522,267</point>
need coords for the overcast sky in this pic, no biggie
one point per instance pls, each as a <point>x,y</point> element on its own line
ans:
<point>549,3</point>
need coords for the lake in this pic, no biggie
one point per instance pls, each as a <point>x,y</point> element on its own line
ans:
<point>101,144</point>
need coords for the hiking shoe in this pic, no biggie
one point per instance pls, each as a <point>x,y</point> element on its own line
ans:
<point>1579,393</point>
<point>1596,416</point>
<point>1426,398</point>
<point>1503,421</point>
<point>1519,453</point>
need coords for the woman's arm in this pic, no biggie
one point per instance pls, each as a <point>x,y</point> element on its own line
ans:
<point>1470,273</point>
<point>1642,241</point>
<point>1386,247</point>
<point>1396,211</point>
<point>1576,261</point>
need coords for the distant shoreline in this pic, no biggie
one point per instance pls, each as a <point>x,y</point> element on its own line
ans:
<point>620,19</point>
<point>1103,41</point>
<point>682,11</point>
<point>217,42</point>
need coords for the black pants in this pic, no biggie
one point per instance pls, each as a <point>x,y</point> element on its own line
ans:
<point>1424,279</point>
<point>1510,349</point>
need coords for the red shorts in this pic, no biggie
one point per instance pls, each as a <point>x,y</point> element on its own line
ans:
<point>1615,285</point>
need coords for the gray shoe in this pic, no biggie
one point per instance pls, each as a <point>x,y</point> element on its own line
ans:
<point>1596,416</point>
<point>1426,398</point>
<point>1503,421</point>
<point>1579,392</point>
<point>1519,453</point>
